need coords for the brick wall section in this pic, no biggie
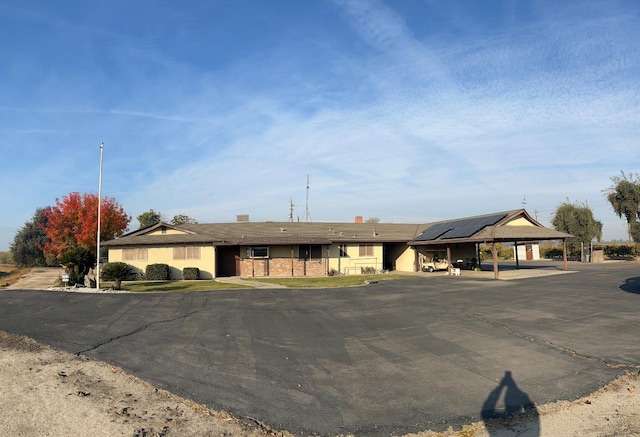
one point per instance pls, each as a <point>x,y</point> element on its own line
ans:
<point>282,267</point>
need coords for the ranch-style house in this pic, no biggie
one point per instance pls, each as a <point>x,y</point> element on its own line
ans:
<point>254,249</point>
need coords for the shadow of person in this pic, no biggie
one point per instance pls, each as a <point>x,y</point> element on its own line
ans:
<point>631,285</point>
<point>507,404</point>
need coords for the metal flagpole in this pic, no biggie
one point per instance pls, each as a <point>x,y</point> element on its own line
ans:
<point>99,205</point>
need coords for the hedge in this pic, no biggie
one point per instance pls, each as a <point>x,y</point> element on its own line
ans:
<point>157,272</point>
<point>190,273</point>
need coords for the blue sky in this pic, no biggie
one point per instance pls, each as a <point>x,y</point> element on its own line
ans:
<point>407,110</point>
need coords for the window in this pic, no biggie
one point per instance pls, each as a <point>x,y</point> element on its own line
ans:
<point>186,253</point>
<point>343,251</point>
<point>366,250</point>
<point>310,251</point>
<point>258,252</point>
<point>134,254</point>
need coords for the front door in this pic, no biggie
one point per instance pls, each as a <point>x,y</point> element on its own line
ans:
<point>228,261</point>
<point>529,248</point>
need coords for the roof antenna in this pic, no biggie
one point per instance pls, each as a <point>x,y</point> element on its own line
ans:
<point>307,216</point>
<point>524,201</point>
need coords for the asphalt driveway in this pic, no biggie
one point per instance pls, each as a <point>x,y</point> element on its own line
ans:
<point>387,358</point>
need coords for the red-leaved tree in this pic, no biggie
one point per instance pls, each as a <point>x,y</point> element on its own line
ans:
<point>73,222</point>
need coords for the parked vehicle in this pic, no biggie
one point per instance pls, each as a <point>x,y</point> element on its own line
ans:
<point>434,264</point>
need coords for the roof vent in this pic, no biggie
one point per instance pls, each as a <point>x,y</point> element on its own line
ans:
<point>358,219</point>
<point>283,229</point>
<point>242,217</point>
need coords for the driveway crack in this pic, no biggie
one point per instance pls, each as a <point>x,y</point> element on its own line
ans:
<point>557,347</point>
<point>135,331</point>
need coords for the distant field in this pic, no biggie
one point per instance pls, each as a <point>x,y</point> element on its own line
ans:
<point>10,274</point>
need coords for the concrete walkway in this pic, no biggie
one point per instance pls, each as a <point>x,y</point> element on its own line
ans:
<point>255,284</point>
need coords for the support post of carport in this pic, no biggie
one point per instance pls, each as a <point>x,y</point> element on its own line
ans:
<point>215,261</point>
<point>494,252</point>
<point>292,267</point>
<point>448,260</point>
<point>516,250</point>
<point>564,254</point>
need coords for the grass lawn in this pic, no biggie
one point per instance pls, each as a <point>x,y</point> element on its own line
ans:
<point>171,286</point>
<point>327,281</point>
<point>306,282</point>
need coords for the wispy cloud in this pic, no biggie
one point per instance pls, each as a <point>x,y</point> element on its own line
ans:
<point>391,117</point>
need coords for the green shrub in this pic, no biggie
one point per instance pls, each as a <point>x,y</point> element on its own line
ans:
<point>622,250</point>
<point>78,261</point>
<point>550,251</point>
<point>190,273</point>
<point>157,272</point>
<point>503,252</point>
<point>506,253</point>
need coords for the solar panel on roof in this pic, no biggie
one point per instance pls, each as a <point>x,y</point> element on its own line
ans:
<point>434,232</point>
<point>463,228</point>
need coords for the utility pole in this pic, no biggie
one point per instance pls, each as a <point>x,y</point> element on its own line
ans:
<point>307,216</point>
<point>291,210</point>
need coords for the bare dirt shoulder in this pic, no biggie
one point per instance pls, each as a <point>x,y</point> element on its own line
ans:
<point>9,274</point>
<point>44,391</point>
<point>613,410</point>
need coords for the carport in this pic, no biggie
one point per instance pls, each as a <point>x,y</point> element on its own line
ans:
<point>465,235</point>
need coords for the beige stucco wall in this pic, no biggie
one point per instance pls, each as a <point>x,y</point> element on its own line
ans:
<point>353,263</point>
<point>522,251</point>
<point>164,255</point>
<point>405,262</point>
<point>167,231</point>
<point>402,257</point>
<point>519,221</point>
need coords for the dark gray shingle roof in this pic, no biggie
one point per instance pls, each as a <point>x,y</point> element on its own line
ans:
<point>488,227</point>
<point>276,233</point>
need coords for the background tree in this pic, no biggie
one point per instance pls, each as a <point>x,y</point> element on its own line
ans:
<point>73,222</point>
<point>28,242</point>
<point>182,219</point>
<point>577,220</point>
<point>150,218</point>
<point>372,220</point>
<point>624,197</point>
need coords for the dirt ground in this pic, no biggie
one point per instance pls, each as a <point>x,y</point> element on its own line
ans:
<point>49,392</point>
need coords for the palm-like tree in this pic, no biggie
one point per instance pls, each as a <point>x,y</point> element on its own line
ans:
<point>117,272</point>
